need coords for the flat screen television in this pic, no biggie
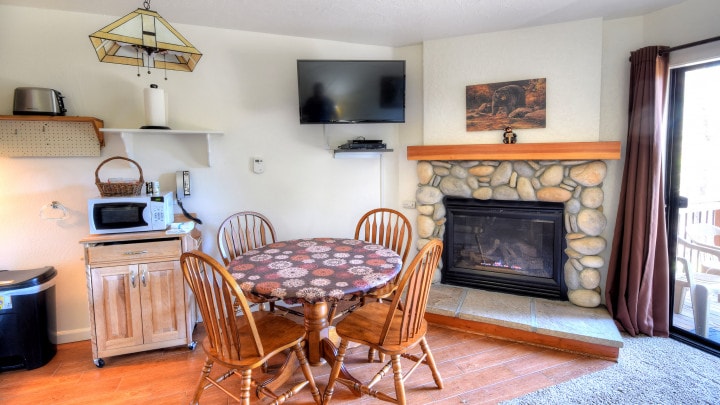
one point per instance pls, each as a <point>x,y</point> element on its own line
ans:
<point>351,91</point>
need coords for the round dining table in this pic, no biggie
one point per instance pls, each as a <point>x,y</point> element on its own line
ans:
<point>315,272</point>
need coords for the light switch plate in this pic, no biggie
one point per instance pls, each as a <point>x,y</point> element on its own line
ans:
<point>258,165</point>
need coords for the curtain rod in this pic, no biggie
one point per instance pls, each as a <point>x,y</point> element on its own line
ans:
<point>688,45</point>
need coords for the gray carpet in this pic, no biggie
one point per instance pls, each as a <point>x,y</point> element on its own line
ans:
<point>649,371</point>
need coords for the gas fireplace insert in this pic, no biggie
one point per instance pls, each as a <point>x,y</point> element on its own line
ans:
<point>513,247</point>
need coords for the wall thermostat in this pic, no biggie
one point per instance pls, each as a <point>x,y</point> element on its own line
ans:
<point>258,165</point>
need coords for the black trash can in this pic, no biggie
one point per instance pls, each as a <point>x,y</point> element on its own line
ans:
<point>27,318</point>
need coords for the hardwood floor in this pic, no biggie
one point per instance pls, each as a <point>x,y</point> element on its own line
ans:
<point>475,370</point>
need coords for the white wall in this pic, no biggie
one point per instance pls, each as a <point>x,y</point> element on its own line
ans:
<point>411,133</point>
<point>620,37</point>
<point>245,85</point>
<point>690,22</point>
<point>567,55</point>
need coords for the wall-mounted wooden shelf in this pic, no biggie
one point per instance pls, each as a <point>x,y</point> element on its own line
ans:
<point>128,137</point>
<point>518,151</point>
<point>45,135</point>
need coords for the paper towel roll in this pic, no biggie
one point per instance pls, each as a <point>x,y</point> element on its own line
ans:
<point>155,107</point>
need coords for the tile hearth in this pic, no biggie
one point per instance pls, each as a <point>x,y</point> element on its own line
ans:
<point>557,324</point>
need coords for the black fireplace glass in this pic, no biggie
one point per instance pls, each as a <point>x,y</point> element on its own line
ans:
<point>507,246</point>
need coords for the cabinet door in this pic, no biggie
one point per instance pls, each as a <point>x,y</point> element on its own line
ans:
<point>116,297</point>
<point>163,301</point>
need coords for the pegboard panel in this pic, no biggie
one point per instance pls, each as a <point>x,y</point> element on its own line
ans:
<point>48,138</point>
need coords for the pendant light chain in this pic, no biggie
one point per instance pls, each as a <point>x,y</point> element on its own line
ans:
<point>137,56</point>
<point>146,4</point>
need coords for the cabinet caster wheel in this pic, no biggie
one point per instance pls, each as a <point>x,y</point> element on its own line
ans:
<point>99,363</point>
<point>192,345</point>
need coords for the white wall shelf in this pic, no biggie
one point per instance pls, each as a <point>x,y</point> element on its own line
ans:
<point>359,153</point>
<point>128,137</point>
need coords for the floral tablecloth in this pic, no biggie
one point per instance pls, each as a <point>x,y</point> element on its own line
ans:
<point>312,270</point>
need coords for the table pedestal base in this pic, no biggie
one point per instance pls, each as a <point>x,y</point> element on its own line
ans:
<point>320,347</point>
<point>316,325</point>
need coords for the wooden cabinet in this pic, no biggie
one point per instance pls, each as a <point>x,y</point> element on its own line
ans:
<point>137,295</point>
<point>138,304</point>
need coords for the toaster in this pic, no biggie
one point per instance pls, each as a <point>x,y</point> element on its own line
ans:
<point>38,101</point>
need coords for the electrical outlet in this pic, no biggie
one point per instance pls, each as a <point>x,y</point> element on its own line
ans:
<point>408,204</point>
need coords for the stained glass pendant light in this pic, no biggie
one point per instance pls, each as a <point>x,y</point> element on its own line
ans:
<point>144,39</point>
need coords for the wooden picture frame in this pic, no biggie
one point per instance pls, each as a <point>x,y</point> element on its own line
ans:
<point>496,106</point>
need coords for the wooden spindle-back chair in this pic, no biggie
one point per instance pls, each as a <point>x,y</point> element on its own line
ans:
<point>241,342</point>
<point>389,228</point>
<point>243,231</point>
<point>393,329</point>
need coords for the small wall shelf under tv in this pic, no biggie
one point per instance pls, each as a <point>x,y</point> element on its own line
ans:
<point>359,153</point>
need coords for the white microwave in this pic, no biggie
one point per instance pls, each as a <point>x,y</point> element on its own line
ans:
<point>130,214</point>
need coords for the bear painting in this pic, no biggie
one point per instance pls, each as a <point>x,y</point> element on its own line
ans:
<point>518,104</point>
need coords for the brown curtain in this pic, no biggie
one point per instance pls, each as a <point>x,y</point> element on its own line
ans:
<point>638,283</point>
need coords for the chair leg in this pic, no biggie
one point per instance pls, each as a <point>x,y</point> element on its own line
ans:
<point>339,358</point>
<point>399,385</point>
<point>701,303</point>
<point>245,387</point>
<point>305,366</point>
<point>372,352</point>
<point>371,356</point>
<point>430,360</point>
<point>681,291</point>
<point>331,312</point>
<point>201,384</point>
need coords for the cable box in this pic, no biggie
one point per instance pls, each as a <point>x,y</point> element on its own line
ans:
<point>367,146</point>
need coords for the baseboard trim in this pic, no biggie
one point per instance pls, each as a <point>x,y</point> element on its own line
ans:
<point>74,335</point>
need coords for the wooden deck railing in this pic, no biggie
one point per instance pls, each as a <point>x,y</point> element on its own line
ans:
<point>706,213</point>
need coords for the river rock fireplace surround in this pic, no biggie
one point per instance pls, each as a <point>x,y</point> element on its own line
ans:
<point>571,173</point>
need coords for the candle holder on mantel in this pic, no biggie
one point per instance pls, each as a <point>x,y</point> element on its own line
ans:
<point>509,136</point>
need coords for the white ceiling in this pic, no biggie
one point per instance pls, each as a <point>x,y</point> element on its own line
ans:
<point>374,22</point>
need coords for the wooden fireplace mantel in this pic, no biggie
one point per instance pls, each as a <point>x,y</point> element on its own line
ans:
<point>518,151</point>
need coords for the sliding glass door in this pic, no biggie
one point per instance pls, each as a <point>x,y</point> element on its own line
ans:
<point>693,192</point>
